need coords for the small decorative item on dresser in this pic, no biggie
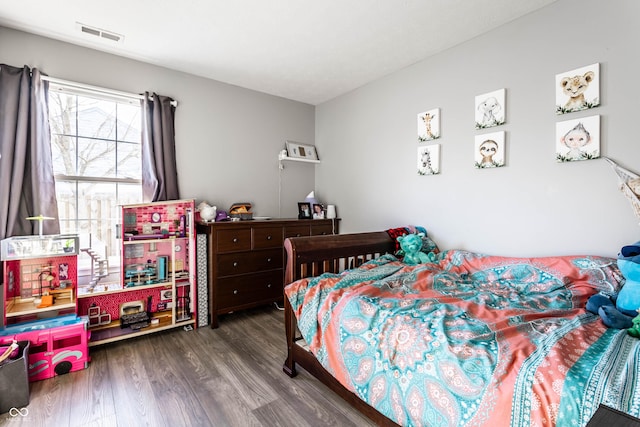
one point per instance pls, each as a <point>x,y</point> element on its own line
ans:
<point>207,212</point>
<point>241,210</point>
<point>331,212</point>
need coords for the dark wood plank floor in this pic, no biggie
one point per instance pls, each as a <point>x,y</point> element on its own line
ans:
<point>230,376</point>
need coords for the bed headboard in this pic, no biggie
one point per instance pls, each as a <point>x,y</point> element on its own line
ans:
<point>311,256</point>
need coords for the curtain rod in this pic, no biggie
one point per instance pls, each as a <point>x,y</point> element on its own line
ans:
<point>99,89</point>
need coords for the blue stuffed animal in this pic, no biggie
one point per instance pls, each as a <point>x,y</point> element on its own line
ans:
<point>411,245</point>
<point>619,311</point>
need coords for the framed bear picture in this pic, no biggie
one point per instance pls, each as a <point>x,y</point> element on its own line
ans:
<point>578,89</point>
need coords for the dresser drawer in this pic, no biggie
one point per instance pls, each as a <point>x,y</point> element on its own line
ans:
<point>248,262</point>
<point>321,229</point>
<point>249,289</point>
<point>233,240</point>
<point>264,237</point>
<point>296,231</point>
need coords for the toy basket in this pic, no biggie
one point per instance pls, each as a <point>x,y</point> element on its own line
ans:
<point>624,176</point>
<point>14,380</point>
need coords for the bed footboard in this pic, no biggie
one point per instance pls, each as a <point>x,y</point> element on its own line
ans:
<point>311,256</point>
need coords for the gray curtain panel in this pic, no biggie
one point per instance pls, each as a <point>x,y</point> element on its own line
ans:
<point>27,185</point>
<point>159,171</point>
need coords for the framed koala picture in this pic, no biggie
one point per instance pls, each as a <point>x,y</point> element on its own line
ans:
<point>578,89</point>
<point>578,139</point>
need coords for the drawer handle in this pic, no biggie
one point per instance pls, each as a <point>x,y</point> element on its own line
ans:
<point>235,263</point>
<point>269,285</point>
<point>298,235</point>
<point>268,237</point>
<point>235,291</point>
<point>268,259</point>
<point>235,240</point>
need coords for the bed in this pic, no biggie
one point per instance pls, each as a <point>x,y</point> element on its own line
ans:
<point>467,340</point>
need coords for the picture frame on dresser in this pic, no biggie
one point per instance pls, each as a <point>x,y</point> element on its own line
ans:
<point>318,211</point>
<point>304,210</point>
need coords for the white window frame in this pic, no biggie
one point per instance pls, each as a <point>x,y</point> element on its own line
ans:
<point>76,89</point>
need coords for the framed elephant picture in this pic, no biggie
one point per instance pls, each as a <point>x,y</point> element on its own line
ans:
<point>490,109</point>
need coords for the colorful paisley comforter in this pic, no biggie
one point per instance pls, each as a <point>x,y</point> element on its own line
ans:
<point>472,340</point>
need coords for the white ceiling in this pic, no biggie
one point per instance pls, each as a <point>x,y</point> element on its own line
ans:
<point>308,51</point>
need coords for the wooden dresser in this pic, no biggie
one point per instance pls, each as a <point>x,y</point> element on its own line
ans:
<point>245,260</point>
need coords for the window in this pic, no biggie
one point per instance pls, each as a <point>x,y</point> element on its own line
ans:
<point>96,148</point>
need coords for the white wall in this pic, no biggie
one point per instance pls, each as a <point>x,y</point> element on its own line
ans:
<point>227,137</point>
<point>533,205</point>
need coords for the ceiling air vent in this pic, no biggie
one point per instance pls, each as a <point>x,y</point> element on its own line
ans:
<point>97,32</point>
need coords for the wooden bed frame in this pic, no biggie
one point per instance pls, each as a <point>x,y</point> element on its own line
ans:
<point>311,256</point>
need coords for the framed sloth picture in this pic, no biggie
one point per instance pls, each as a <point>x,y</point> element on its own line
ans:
<point>489,150</point>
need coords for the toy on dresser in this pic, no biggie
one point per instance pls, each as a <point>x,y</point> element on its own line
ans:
<point>207,212</point>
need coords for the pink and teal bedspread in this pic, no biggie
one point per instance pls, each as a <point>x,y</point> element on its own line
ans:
<point>472,340</point>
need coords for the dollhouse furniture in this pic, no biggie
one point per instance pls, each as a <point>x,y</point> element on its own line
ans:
<point>157,288</point>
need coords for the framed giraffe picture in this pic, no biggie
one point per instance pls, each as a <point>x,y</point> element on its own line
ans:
<point>429,160</point>
<point>429,125</point>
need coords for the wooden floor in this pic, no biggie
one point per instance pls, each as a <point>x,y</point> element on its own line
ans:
<point>230,376</point>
